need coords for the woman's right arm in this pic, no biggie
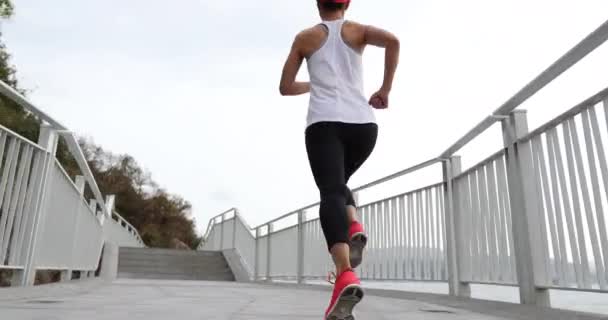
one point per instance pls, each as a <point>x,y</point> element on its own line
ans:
<point>384,39</point>
<point>289,86</point>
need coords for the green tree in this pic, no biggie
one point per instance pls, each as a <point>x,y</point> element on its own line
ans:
<point>6,8</point>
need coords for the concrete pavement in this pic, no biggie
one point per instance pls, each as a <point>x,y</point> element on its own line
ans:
<point>185,300</point>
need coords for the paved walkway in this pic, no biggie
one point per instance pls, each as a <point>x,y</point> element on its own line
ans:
<point>179,300</point>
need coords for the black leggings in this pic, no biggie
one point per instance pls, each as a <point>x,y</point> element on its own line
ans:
<point>335,151</point>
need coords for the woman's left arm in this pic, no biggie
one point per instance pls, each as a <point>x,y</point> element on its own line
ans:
<point>289,86</point>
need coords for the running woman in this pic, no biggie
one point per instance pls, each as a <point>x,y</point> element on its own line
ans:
<point>341,130</point>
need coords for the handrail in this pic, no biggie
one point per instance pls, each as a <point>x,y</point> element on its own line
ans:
<point>17,97</point>
<point>599,97</point>
<point>22,139</point>
<point>210,224</point>
<point>576,54</point>
<point>361,188</point>
<point>75,150</point>
<point>73,145</point>
<point>398,174</point>
<point>128,224</point>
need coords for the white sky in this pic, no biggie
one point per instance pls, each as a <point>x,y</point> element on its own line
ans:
<point>191,89</point>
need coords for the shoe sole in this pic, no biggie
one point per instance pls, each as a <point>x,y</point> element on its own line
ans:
<point>357,244</point>
<point>349,298</point>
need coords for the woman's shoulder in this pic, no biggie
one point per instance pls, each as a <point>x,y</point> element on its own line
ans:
<point>315,31</point>
<point>354,25</point>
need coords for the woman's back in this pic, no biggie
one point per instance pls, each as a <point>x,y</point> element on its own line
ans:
<point>336,75</point>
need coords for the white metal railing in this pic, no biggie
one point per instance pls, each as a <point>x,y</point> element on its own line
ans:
<point>532,215</point>
<point>232,233</point>
<point>571,180</point>
<point>45,221</point>
<point>485,222</point>
<point>114,230</point>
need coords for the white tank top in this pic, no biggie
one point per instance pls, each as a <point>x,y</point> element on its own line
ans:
<point>336,82</point>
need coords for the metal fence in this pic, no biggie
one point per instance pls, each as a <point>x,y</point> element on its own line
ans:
<point>532,215</point>
<point>484,221</point>
<point>571,181</point>
<point>232,232</point>
<point>121,232</point>
<point>45,221</point>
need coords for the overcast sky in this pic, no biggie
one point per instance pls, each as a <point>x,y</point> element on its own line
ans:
<point>190,87</point>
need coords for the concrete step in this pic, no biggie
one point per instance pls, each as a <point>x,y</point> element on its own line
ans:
<point>171,252</point>
<point>190,270</point>
<point>164,276</point>
<point>144,263</point>
<point>179,264</point>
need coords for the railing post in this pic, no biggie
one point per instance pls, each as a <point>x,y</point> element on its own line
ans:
<point>236,212</point>
<point>526,222</point>
<point>222,232</point>
<point>300,260</point>
<point>48,140</point>
<point>268,251</point>
<point>454,239</point>
<point>256,266</point>
<point>109,209</point>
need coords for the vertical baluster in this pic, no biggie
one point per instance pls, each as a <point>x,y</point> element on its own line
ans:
<point>443,263</point>
<point>562,258</point>
<point>431,227</point>
<point>378,212</point>
<point>587,205</point>
<point>477,249</point>
<point>604,170</point>
<point>383,234</point>
<point>395,242</point>
<point>467,229</point>
<point>18,195</point>
<point>545,208</point>
<point>484,212</point>
<point>385,239</point>
<point>379,235</point>
<point>375,235</point>
<point>402,237</point>
<point>599,211</point>
<point>367,228</point>
<point>504,193</point>
<point>425,234</point>
<point>434,246</point>
<point>494,225</point>
<point>549,205</point>
<point>6,190</point>
<point>417,258</point>
<point>386,225</point>
<point>22,215</point>
<point>567,210</point>
<point>394,238</point>
<point>574,187</point>
<point>501,227</point>
<point>410,236</point>
<point>437,237</point>
<point>363,220</point>
<point>14,222</point>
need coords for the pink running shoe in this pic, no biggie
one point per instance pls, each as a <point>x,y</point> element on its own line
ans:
<point>347,293</point>
<point>358,240</point>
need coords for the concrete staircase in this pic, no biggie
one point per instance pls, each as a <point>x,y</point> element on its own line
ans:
<point>144,263</point>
